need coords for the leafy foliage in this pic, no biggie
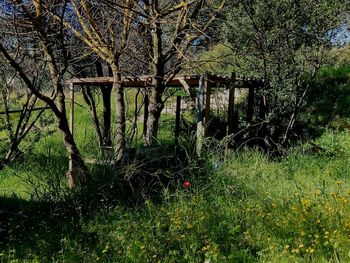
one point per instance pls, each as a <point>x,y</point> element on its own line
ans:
<point>329,98</point>
<point>283,43</point>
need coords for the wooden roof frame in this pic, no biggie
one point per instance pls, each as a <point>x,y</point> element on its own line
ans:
<point>182,81</point>
<point>204,83</point>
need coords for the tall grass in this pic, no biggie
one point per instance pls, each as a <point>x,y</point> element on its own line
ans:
<point>241,208</point>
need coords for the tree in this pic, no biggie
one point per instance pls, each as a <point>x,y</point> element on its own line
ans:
<point>104,27</point>
<point>170,27</point>
<point>29,30</point>
<point>89,67</point>
<point>283,43</point>
<point>19,126</point>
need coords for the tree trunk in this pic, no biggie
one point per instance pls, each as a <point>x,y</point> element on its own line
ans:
<point>119,140</point>
<point>106,129</point>
<point>88,97</point>
<point>156,104</point>
<point>155,108</point>
<point>76,175</point>
<point>106,91</point>
<point>10,156</point>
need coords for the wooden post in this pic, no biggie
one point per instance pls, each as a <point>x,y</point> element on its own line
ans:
<point>231,108</point>
<point>262,112</point>
<point>71,126</point>
<point>145,113</point>
<point>71,116</point>
<point>21,110</point>
<point>250,109</point>
<point>177,120</point>
<point>207,105</point>
<point>200,117</point>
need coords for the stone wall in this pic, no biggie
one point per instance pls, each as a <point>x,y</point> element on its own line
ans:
<point>219,101</point>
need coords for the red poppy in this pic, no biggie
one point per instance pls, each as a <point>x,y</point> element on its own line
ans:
<point>186,184</point>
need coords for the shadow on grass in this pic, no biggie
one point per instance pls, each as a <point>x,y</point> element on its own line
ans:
<point>30,229</point>
<point>53,218</point>
<point>144,175</point>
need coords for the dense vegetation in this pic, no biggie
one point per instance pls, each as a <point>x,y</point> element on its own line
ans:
<point>243,208</point>
<point>276,190</point>
<point>240,206</point>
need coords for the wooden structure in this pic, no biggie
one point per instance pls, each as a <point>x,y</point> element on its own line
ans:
<point>199,87</point>
<point>21,110</point>
<point>182,81</point>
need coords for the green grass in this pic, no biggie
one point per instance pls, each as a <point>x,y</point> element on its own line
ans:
<point>242,208</point>
<point>49,154</point>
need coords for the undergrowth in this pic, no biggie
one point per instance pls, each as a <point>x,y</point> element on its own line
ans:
<point>241,207</point>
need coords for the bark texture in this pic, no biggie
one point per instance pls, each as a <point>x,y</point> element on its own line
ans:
<point>119,139</point>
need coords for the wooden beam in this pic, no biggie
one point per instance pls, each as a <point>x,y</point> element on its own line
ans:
<point>20,110</point>
<point>231,110</point>
<point>231,116</point>
<point>71,115</point>
<point>207,88</point>
<point>145,114</point>
<point>189,89</point>
<point>200,117</point>
<point>185,85</point>
<point>177,120</point>
<point>71,125</point>
<point>250,108</point>
<point>146,80</point>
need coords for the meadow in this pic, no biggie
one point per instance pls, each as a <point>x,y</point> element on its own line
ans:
<point>240,206</point>
<point>276,189</point>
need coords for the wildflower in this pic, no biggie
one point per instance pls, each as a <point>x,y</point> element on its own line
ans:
<point>186,184</point>
<point>339,182</point>
<point>310,250</point>
<point>105,250</point>
<point>344,200</point>
<point>205,248</point>
<point>306,202</point>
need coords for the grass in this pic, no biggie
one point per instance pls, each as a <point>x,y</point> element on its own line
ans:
<point>244,208</point>
<point>241,207</point>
